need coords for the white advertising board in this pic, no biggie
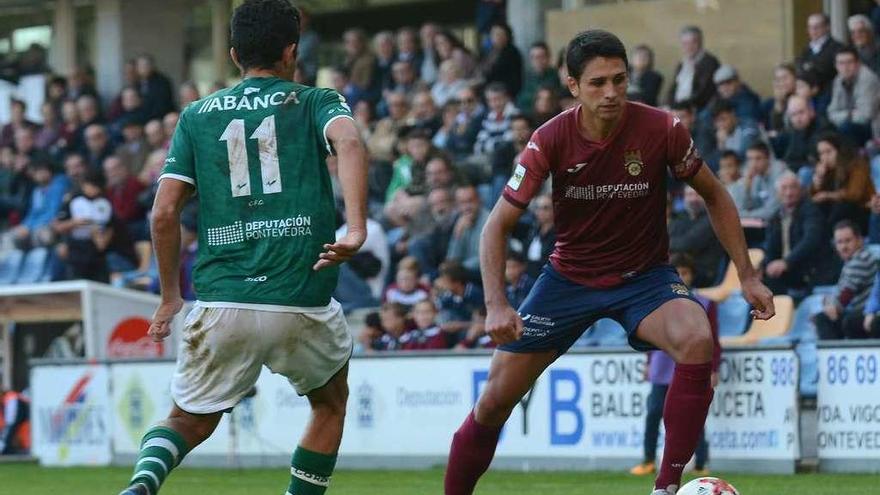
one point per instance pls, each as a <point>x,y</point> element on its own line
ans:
<point>849,403</point>
<point>70,415</point>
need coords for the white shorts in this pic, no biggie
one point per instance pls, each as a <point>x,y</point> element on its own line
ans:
<point>223,349</point>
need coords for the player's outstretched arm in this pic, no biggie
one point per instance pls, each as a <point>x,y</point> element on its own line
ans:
<point>503,323</point>
<point>725,222</point>
<point>352,155</point>
<point>165,226</point>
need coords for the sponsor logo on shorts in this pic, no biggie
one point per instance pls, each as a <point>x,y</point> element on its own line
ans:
<point>535,332</point>
<point>539,320</point>
<point>680,289</point>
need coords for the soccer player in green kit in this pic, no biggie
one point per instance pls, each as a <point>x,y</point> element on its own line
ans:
<point>255,156</point>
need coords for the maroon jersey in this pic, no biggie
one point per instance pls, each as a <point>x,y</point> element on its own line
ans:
<point>609,197</point>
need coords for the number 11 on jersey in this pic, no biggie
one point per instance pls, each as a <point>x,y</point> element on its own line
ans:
<point>236,148</point>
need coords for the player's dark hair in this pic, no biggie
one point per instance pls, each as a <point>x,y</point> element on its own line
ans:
<point>846,223</point>
<point>847,50</point>
<point>591,44</point>
<point>759,146</point>
<point>261,30</point>
<point>729,154</point>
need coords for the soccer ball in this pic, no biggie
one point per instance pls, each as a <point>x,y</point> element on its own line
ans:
<point>707,486</point>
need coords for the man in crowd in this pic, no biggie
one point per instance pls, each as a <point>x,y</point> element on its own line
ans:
<point>155,88</point>
<point>496,125</point>
<point>745,102</point>
<point>818,56</point>
<point>693,79</point>
<point>539,74</point>
<point>754,193</point>
<point>796,144</point>
<point>690,232</point>
<point>854,97</point>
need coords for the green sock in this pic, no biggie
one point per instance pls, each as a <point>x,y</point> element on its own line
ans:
<point>310,472</point>
<point>162,449</point>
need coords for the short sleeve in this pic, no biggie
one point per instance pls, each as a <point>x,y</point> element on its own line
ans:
<point>531,170</point>
<point>683,159</point>
<point>180,162</point>
<point>331,106</point>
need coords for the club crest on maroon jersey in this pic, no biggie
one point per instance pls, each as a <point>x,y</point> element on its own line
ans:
<point>632,161</point>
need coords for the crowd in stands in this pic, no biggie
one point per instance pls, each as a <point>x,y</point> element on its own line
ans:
<point>444,124</point>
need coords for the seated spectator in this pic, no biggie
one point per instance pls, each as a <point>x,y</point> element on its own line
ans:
<point>545,107</point>
<point>153,168</point>
<point>430,60</point>
<point>745,102</point>
<point>644,81</point>
<point>795,240</point>
<point>517,281</point>
<point>842,316</point>
<point>796,143</point>
<point>818,56</point>
<point>495,128</point>
<point>404,81</point>
<point>340,80</point>
<point>476,336</point>
<point>89,111</point>
<point>468,123</point>
<point>134,149</point>
<point>424,114</point>
<point>449,83</point>
<point>155,135</point>
<point>731,133</point>
<point>503,64</point>
<point>427,334</point>
<point>537,238</point>
<point>133,110</point>
<point>464,245</point>
<point>428,239</point>
<point>169,124</point>
<point>155,88</point>
<point>17,120</point>
<point>754,194</point>
<point>449,47</point>
<point>49,134</point>
<point>773,109</point>
<point>187,93</point>
<point>69,126</point>
<point>539,74</point>
<point>382,143</point>
<point>690,232</point>
<point>842,186</point>
<point>456,300</point>
<point>407,42</point>
<point>98,146</point>
<point>360,63</point>
<point>504,157</point>
<point>366,272</point>
<point>26,150</point>
<point>704,141</point>
<point>75,169</point>
<point>729,172</point>
<point>864,40</point>
<point>394,325</point>
<point>122,190</point>
<point>440,173</point>
<point>693,75</point>
<point>46,198</point>
<point>406,288</point>
<point>383,50</point>
<point>448,114</point>
<point>409,169</point>
<point>807,86</point>
<point>854,97</point>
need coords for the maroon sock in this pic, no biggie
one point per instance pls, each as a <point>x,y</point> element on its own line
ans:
<point>473,447</point>
<point>684,415</point>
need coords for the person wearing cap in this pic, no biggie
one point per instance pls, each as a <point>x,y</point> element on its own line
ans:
<point>745,102</point>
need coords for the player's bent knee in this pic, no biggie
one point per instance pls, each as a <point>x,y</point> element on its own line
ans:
<point>494,409</point>
<point>694,345</point>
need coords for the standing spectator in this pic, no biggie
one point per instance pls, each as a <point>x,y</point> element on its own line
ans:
<point>464,246</point>
<point>693,75</point>
<point>428,69</point>
<point>864,40</point>
<point>690,232</point>
<point>540,237</point>
<point>188,92</point>
<point>503,64</point>
<point>818,55</point>
<point>644,81</point>
<point>307,48</point>
<point>98,146</point>
<point>794,241</point>
<point>449,83</point>
<point>773,109</point>
<point>854,97</point>
<point>539,74</point>
<point>360,64</point>
<point>495,128</point>
<point>17,120</point>
<point>755,194</point>
<point>843,314</point>
<point>842,186</point>
<point>796,144</point>
<point>155,88</point>
<point>745,102</point>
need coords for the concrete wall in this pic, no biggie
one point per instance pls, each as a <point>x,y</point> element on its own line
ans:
<point>752,35</point>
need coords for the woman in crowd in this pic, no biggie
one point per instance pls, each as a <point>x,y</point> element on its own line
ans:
<point>842,186</point>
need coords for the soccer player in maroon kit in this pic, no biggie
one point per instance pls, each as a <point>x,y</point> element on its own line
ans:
<point>608,159</point>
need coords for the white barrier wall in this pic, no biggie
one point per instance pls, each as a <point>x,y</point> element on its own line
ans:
<point>849,408</point>
<point>586,411</point>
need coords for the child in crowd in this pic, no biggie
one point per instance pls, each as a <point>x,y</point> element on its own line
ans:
<point>426,335</point>
<point>406,288</point>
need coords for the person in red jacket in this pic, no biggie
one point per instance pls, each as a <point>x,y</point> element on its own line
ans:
<point>15,424</point>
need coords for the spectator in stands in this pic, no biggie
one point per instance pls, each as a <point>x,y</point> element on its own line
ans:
<point>773,109</point>
<point>440,173</point>
<point>49,134</point>
<point>129,79</point>
<point>81,82</point>
<point>89,114</point>
<point>56,92</point>
<point>383,141</point>
<point>307,48</point>
<point>407,43</point>
<point>456,299</point>
<point>691,232</point>
<point>746,103</point>
<point>15,414</point>
<point>854,97</point>
<point>504,156</point>
<point>404,79</point>
<point>153,168</point>
<point>155,88</point>
<point>85,227</point>
<point>98,146</point>
<point>424,114</point>
<point>540,235</point>
<point>693,75</point>
<point>796,143</point>
<point>134,149</point>
<point>843,314</point>
<point>169,124</point>
<point>464,246</point>
<point>429,243</point>
<point>644,81</point>
<point>449,83</point>
<point>818,56</point>
<point>495,128</point>
<point>26,149</point>
<point>448,114</point>
<point>468,124</point>
<point>369,266</point>
<point>189,92</point>
<point>430,63</point>
<point>475,336</point>
<point>75,168</point>
<point>122,190</point>
<point>731,133</point>
<point>448,46</point>
<point>546,106</point>
<point>842,186</point>
<point>503,63</point>
<point>701,134</point>
<point>755,194</point>
<point>406,288</point>
<point>539,74</point>
<point>132,110</point>
<point>807,86</point>
<point>729,172</point>
<point>864,40</point>
<point>45,200</point>
<point>69,126</point>
<point>871,324</point>
<point>394,325</point>
<point>517,281</point>
<point>383,49</point>
<point>155,135</point>
<point>359,63</point>
<point>17,121</point>
<point>795,240</point>
<point>409,169</point>
<point>427,334</point>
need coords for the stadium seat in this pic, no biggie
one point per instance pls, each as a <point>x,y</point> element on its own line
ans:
<point>730,283</point>
<point>10,266</point>
<point>733,315</point>
<point>34,266</point>
<point>874,249</point>
<point>762,329</point>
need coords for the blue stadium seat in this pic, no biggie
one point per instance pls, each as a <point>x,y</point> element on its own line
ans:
<point>34,266</point>
<point>10,266</point>
<point>733,315</point>
<point>605,332</point>
<point>809,365</point>
<point>874,249</point>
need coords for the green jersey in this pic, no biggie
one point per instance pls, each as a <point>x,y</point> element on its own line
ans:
<point>256,156</point>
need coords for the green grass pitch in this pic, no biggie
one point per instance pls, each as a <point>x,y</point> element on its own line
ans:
<point>21,479</point>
